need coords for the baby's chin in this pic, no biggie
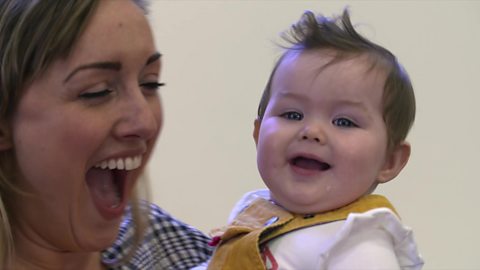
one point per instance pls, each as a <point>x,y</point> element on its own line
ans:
<point>299,205</point>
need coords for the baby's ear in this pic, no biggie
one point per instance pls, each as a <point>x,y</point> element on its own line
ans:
<point>394,162</point>
<point>256,129</point>
<point>5,140</point>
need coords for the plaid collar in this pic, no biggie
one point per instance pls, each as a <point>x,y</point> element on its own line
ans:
<point>168,244</point>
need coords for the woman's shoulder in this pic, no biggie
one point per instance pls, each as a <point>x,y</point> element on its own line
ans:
<point>167,242</point>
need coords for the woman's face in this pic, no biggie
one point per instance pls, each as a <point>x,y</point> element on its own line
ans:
<point>83,131</point>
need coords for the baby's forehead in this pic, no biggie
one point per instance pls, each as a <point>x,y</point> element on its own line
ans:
<point>318,60</point>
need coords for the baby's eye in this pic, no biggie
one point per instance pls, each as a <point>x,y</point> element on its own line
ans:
<point>96,94</point>
<point>292,115</point>
<point>151,86</point>
<point>344,122</point>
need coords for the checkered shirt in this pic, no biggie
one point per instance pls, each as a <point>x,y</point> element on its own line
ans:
<point>168,244</point>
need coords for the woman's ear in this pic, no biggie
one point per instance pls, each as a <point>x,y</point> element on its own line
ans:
<point>394,162</point>
<point>5,140</point>
<point>256,129</point>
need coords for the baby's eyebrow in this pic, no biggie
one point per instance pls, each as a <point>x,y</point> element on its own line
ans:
<point>291,95</point>
<point>355,104</point>
<point>347,102</point>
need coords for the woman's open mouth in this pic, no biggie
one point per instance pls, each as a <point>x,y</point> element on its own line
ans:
<point>107,184</point>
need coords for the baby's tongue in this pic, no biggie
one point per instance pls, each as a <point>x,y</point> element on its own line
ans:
<point>307,163</point>
<point>102,187</point>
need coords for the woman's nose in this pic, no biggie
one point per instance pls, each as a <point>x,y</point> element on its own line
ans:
<point>141,117</point>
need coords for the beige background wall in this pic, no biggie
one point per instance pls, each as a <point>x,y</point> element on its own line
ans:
<point>217,57</point>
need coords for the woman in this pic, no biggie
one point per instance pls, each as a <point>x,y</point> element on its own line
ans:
<point>79,117</point>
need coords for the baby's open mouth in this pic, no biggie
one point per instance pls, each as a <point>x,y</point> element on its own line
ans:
<point>309,163</point>
<point>107,181</point>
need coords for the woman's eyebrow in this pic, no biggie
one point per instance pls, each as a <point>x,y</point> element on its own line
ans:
<point>154,57</point>
<point>108,65</point>
<point>97,65</point>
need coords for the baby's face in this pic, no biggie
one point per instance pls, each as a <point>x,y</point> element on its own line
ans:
<point>322,141</point>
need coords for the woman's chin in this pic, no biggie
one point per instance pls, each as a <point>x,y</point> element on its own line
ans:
<point>96,236</point>
<point>99,242</point>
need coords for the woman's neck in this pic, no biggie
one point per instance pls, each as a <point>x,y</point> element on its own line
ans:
<point>70,261</point>
<point>34,255</point>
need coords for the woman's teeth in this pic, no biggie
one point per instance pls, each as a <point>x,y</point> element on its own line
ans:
<point>128,163</point>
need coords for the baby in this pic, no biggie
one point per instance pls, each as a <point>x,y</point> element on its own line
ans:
<point>331,126</point>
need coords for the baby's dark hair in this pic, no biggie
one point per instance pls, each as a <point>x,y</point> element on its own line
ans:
<point>338,34</point>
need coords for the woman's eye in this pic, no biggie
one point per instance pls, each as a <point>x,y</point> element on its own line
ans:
<point>344,122</point>
<point>151,86</point>
<point>97,94</point>
<point>292,116</point>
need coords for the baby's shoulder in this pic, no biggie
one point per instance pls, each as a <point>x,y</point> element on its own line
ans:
<point>246,200</point>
